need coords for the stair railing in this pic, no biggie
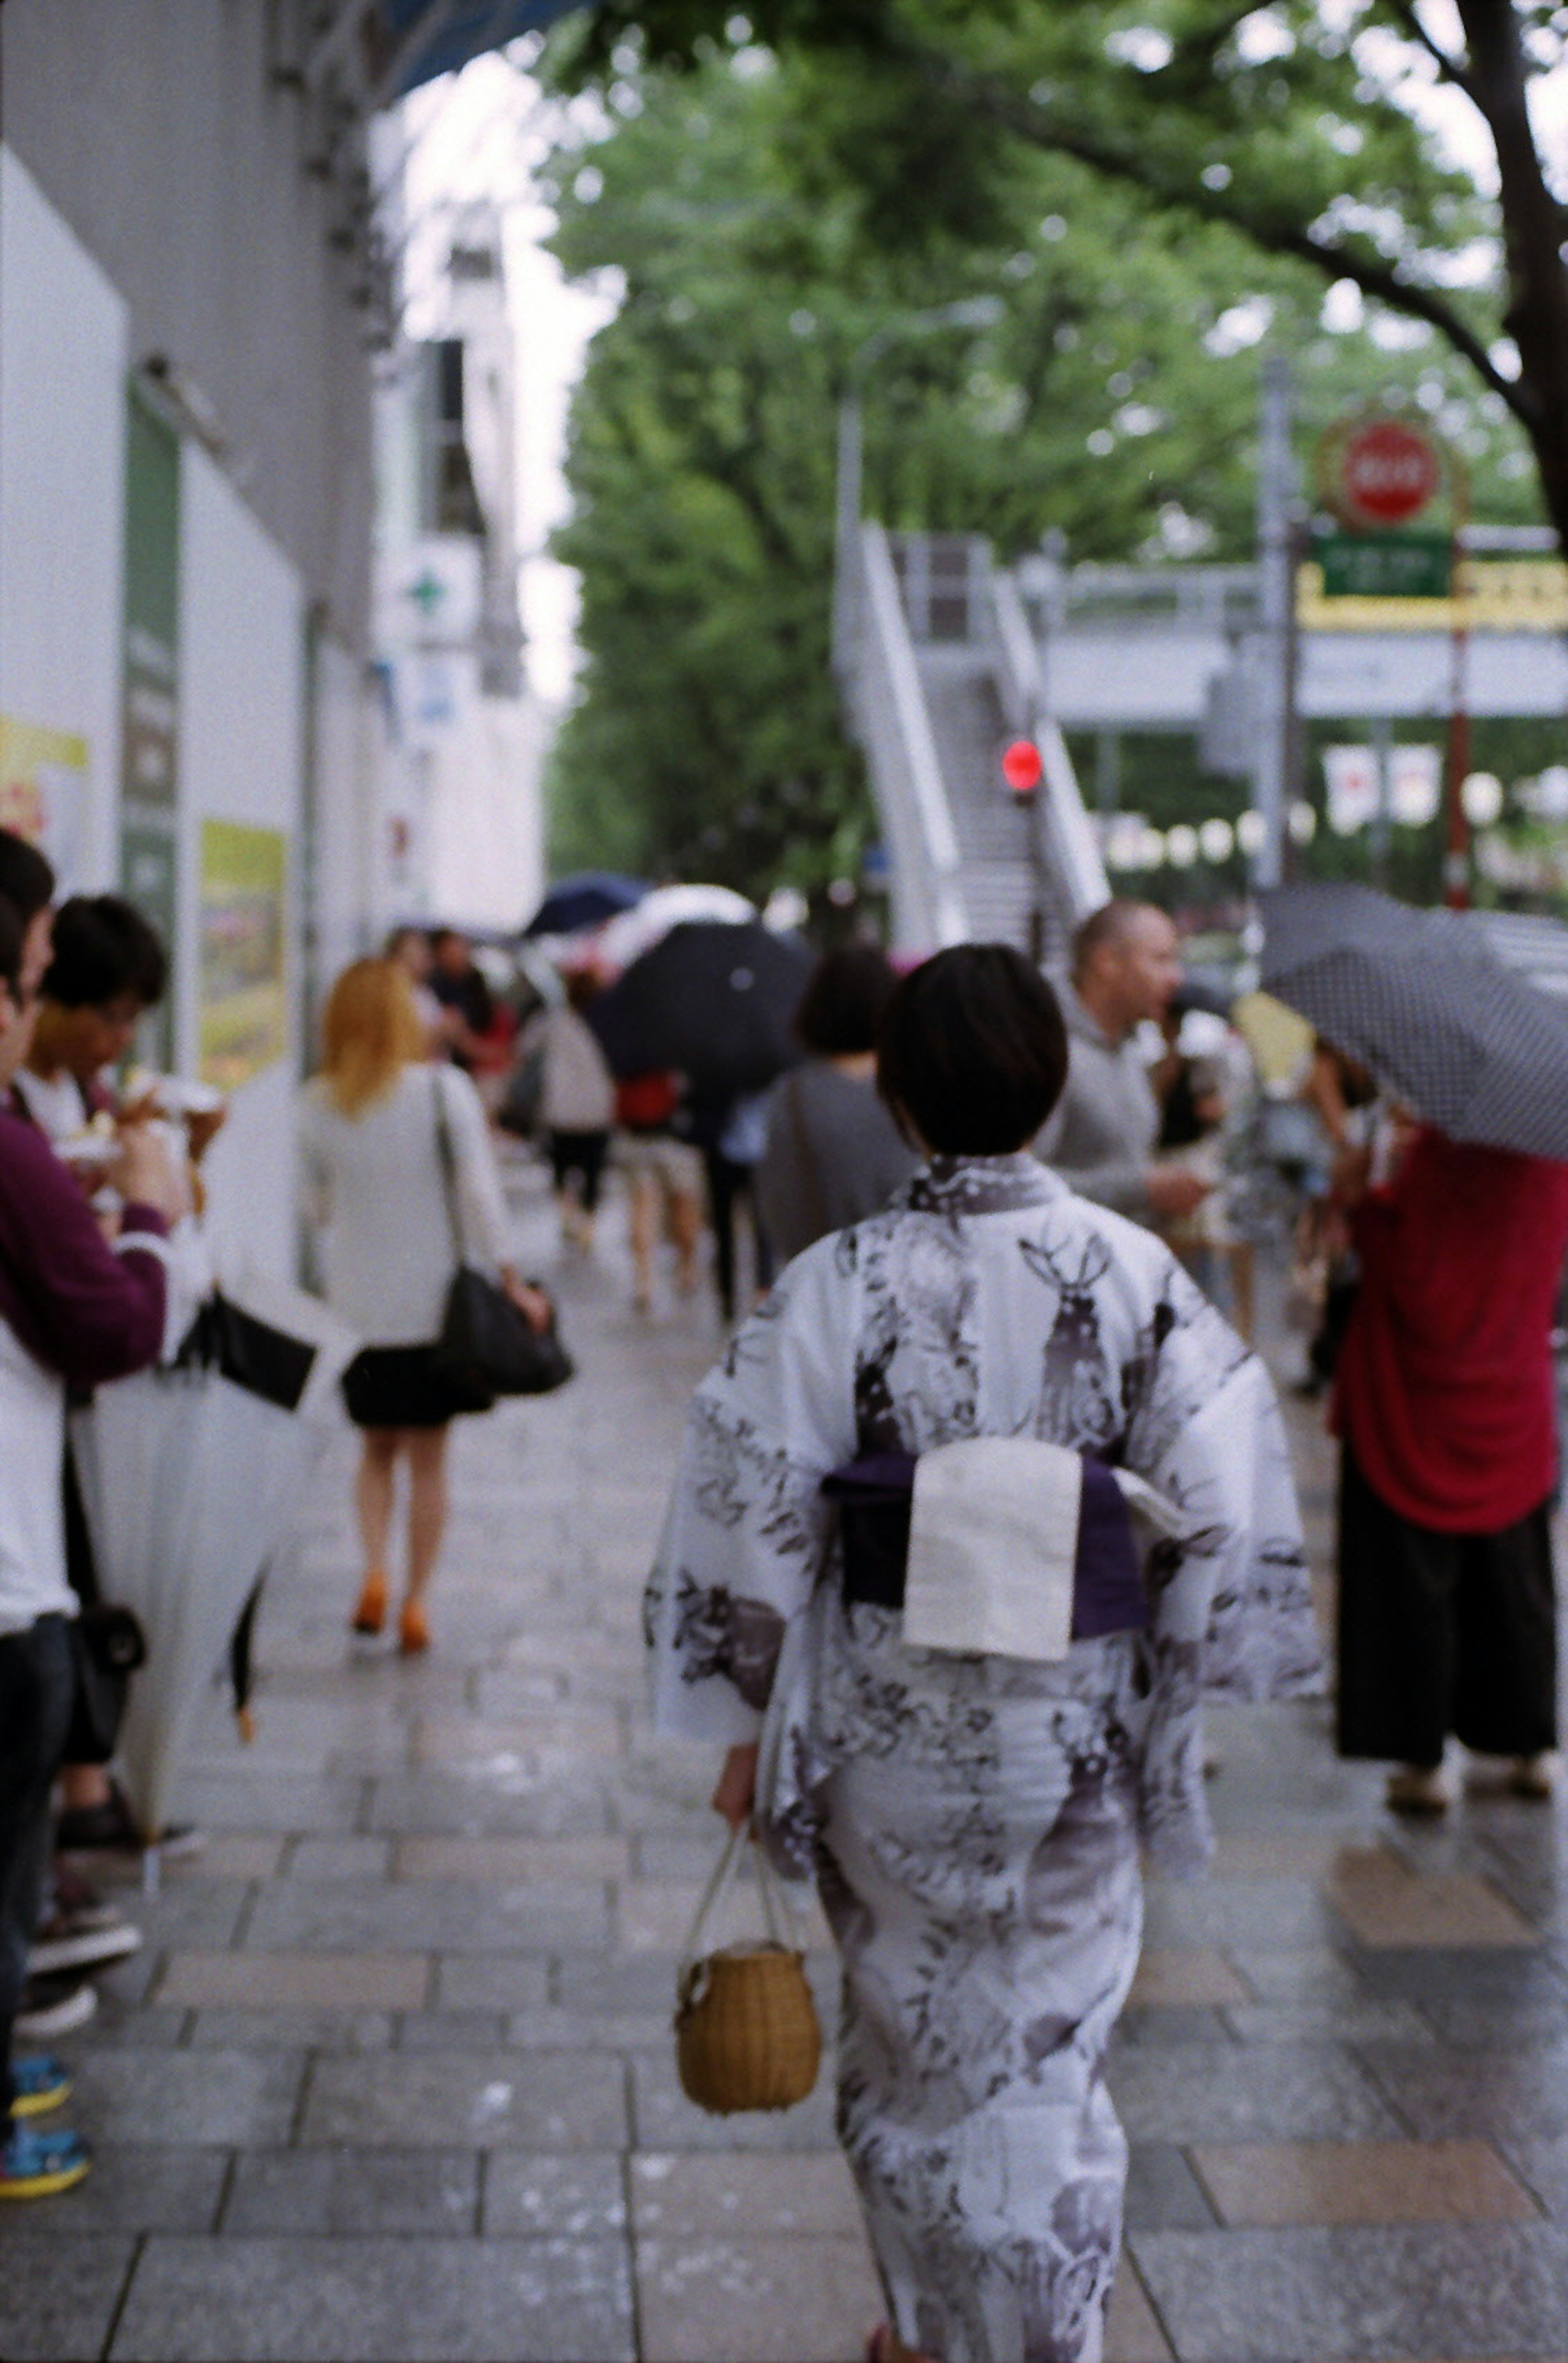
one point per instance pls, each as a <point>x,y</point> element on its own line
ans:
<point>1069,851</point>
<point>888,705</point>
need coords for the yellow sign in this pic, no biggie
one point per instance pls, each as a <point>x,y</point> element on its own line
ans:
<point>1495,594</point>
<point>244,1002</point>
<point>43,783</point>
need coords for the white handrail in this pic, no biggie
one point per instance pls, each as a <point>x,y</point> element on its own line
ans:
<point>906,772</point>
<point>1071,848</point>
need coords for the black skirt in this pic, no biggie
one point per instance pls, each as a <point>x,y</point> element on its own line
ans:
<point>398,1386</point>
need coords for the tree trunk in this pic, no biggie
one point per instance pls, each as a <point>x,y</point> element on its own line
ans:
<point>1535,226</point>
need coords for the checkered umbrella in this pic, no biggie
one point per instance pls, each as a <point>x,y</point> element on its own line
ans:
<point>1422,998</point>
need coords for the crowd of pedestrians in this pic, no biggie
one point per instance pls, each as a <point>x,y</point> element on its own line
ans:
<point>983,1381</point>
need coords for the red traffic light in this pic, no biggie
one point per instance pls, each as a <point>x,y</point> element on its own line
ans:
<point>1021,767</point>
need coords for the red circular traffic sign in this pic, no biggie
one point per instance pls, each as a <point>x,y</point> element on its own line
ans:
<point>1021,766</point>
<point>1388,471</point>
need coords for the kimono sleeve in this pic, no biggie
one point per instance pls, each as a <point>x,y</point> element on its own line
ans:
<point>1231,1602</point>
<point>747,1528</point>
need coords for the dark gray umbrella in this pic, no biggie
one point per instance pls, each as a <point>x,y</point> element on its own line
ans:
<point>1422,998</point>
<point>711,1000</point>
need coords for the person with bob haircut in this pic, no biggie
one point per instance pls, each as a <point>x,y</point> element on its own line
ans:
<point>957,1654</point>
<point>26,881</point>
<point>373,1123</point>
<point>106,968</point>
<point>832,1151</point>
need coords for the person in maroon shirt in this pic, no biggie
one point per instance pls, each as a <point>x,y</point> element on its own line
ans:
<point>1445,1404</point>
<point>71,1309</point>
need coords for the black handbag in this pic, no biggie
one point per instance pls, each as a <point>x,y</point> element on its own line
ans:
<point>488,1347</point>
<point>107,1645</point>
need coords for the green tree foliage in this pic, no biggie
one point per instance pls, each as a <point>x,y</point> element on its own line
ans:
<point>1293,123</point>
<point>1113,400</point>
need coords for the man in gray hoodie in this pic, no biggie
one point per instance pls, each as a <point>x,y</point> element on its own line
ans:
<point>1101,1135</point>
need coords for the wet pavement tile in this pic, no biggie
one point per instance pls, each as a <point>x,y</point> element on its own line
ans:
<point>1266,2183</point>
<point>1396,1907</point>
<point>1132,2331</point>
<point>1503,1975</point>
<point>134,2187</point>
<point>1408,2290</point>
<point>572,2194</point>
<point>344,2029</point>
<point>1163,2194</point>
<point>454,2030</point>
<point>501,2100</point>
<point>1305,2091</point>
<point>492,1981</point>
<point>306,1979</point>
<point>335,1858</point>
<point>511,1862</point>
<point>693,2194</point>
<point>377,2301</point>
<point>1314,1973</point>
<point>1352,2020</point>
<point>346,2190</point>
<point>1494,2093</point>
<point>428,1916</point>
<point>59,2291</point>
<point>237,2098</point>
<point>755,2297</point>
<point>1174,1976</point>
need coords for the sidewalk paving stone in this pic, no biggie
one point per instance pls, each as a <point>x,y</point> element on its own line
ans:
<point>320,2299</point>
<point>393,2076</point>
<point>486,2101</point>
<point>59,2291</point>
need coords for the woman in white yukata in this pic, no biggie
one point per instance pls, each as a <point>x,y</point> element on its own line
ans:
<point>974,1819</point>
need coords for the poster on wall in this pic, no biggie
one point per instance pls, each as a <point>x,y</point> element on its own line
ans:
<point>244,995</point>
<point>43,793</point>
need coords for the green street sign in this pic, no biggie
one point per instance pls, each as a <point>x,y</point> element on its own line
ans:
<point>1384,565</point>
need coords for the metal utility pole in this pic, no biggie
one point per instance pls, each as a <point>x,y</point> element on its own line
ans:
<point>968,312</point>
<point>1456,853</point>
<point>1277,596</point>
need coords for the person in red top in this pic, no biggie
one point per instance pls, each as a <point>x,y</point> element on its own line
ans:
<point>1445,1404</point>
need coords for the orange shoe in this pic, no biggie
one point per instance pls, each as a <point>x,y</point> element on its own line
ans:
<point>370,1613</point>
<point>413,1628</point>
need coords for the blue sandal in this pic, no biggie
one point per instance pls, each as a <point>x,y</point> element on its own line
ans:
<point>34,2164</point>
<point>39,2082</point>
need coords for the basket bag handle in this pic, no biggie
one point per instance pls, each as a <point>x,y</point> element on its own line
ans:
<point>778,1909</point>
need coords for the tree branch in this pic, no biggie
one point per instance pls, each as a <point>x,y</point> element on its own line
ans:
<point>1328,257</point>
<point>1448,65</point>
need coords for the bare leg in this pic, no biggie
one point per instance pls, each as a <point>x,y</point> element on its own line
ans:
<point>643,1215</point>
<point>427,1448</point>
<point>373,1494</point>
<point>84,1784</point>
<point>686,1229</point>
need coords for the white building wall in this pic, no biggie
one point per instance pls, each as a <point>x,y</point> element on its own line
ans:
<point>243,738</point>
<point>63,409</point>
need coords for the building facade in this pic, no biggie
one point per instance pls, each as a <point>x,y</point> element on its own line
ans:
<point>192,297</point>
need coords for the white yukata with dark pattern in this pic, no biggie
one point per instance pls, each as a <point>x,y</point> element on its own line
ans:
<point>974,1822</point>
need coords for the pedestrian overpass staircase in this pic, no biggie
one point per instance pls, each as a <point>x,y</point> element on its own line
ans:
<point>940,670</point>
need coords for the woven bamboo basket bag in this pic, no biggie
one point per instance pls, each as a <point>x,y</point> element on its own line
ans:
<point>746,2030</point>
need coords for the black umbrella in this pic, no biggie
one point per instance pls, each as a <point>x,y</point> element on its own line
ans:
<point>1422,998</point>
<point>586,901</point>
<point>710,1000</point>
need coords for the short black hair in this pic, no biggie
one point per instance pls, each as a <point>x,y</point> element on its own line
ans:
<point>26,876</point>
<point>844,998</point>
<point>972,1051</point>
<point>13,927</point>
<point>102,948</point>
